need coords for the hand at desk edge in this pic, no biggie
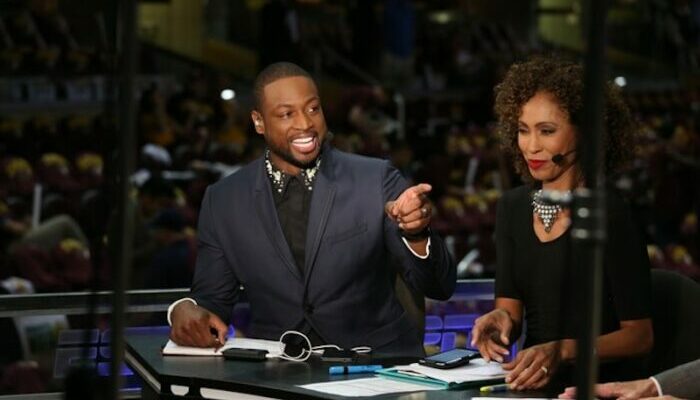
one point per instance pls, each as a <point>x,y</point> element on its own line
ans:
<point>194,326</point>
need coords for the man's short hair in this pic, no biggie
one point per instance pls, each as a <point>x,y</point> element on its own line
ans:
<point>272,73</point>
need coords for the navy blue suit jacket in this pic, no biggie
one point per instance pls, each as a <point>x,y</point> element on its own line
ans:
<point>347,293</point>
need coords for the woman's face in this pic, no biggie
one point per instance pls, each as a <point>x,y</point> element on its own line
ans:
<point>545,131</point>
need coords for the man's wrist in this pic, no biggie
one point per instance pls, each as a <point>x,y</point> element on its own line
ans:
<point>653,388</point>
<point>175,303</point>
<point>567,351</point>
<point>416,249</point>
<point>417,236</point>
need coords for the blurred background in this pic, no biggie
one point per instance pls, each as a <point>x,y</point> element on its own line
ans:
<point>409,81</point>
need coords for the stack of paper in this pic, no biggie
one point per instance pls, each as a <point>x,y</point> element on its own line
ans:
<point>273,347</point>
<point>477,371</point>
<point>366,387</point>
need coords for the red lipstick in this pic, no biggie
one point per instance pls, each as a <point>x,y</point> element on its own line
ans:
<point>535,164</point>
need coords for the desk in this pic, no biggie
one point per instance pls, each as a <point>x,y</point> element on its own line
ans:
<point>173,376</point>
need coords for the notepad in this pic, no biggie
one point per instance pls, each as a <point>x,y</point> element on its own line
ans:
<point>477,372</point>
<point>273,347</point>
<point>366,387</point>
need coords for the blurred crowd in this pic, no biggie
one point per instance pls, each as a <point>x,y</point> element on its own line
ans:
<point>57,169</point>
<point>35,38</point>
<point>55,210</point>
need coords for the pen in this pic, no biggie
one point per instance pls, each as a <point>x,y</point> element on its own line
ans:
<point>353,369</point>
<point>494,388</point>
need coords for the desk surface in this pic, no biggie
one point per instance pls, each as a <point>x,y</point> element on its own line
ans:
<point>274,378</point>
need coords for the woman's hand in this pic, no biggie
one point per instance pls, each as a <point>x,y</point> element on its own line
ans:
<point>491,334</point>
<point>534,366</point>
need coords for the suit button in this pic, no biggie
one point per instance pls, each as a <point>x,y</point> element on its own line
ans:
<point>309,308</point>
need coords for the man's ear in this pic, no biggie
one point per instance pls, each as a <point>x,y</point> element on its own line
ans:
<point>258,122</point>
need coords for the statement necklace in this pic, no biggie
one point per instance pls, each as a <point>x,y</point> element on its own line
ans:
<point>548,213</point>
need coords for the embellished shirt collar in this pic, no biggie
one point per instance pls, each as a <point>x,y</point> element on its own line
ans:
<point>279,179</point>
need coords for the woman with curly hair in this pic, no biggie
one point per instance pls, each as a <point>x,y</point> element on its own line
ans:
<point>538,107</point>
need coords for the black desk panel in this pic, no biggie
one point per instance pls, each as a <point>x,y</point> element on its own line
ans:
<point>273,378</point>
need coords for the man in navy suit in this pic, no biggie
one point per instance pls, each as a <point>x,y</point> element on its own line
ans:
<point>314,235</point>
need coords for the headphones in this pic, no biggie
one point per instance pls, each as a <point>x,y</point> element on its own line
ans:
<point>308,350</point>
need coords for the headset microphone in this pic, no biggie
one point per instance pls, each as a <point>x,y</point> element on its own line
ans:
<point>559,158</point>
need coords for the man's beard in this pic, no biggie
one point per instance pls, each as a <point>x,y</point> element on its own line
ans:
<point>286,155</point>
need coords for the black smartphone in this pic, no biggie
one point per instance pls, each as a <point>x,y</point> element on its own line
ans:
<point>450,358</point>
<point>245,354</point>
<point>336,355</point>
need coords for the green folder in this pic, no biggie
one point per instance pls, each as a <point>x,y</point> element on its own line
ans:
<point>395,373</point>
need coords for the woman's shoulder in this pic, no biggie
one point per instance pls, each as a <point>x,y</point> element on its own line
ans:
<point>514,204</point>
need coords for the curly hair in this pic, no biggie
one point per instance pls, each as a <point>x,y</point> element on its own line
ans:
<point>564,81</point>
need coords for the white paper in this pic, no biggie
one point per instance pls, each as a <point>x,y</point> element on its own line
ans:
<point>366,387</point>
<point>510,398</point>
<point>273,347</point>
<point>476,370</point>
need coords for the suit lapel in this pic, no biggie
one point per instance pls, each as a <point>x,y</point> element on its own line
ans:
<point>267,213</point>
<point>321,204</point>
